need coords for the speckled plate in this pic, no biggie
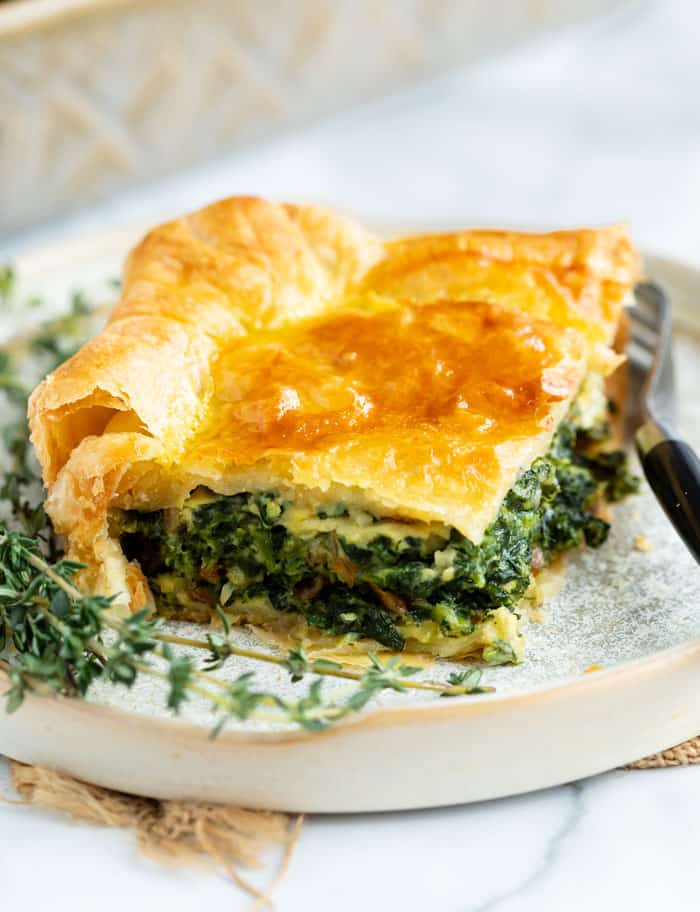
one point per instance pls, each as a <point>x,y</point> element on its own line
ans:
<point>632,614</point>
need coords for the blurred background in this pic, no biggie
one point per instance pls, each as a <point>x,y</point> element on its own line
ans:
<point>520,112</point>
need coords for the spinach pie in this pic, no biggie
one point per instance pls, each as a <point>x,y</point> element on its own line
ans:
<point>349,441</point>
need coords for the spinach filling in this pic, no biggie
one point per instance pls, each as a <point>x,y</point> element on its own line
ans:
<point>235,549</point>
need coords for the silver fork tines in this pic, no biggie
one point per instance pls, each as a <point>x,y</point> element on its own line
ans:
<point>649,351</point>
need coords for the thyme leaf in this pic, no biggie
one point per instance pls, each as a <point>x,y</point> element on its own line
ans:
<point>499,653</point>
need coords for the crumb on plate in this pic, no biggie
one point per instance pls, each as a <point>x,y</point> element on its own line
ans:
<point>642,543</point>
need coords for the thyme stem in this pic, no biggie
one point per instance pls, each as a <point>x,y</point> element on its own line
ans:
<point>341,671</point>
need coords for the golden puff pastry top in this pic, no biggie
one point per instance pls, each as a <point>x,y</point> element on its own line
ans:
<point>427,410</point>
<point>259,345</point>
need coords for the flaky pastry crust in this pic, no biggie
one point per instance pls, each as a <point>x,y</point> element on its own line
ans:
<point>260,346</point>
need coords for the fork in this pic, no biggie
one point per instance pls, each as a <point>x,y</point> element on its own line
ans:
<point>671,466</point>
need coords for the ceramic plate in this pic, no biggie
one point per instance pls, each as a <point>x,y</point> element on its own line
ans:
<point>633,614</point>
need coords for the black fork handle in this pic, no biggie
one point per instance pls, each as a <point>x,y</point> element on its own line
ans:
<point>672,469</point>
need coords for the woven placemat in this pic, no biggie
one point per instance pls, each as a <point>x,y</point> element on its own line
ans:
<point>684,754</point>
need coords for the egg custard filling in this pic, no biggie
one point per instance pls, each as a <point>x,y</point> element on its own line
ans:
<point>342,571</point>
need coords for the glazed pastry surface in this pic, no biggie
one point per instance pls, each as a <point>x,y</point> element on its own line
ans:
<point>259,346</point>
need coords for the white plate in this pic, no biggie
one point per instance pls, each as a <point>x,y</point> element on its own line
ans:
<point>636,614</point>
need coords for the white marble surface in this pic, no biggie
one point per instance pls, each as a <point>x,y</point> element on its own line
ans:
<point>601,124</point>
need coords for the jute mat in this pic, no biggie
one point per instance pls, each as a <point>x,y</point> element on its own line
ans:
<point>685,754</point>
<point>179,832</point>
<point>173,832</point>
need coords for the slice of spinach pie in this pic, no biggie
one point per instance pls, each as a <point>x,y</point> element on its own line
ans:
<point>349,440</point>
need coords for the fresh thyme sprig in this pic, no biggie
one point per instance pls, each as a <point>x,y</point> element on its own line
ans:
<point>298,664</point>
<point>54,638</point>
